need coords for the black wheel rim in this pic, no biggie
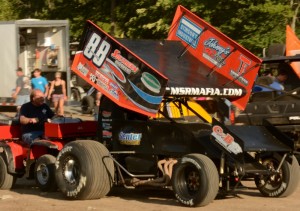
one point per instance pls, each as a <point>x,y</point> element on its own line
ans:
<point>189,180</point>
<point>274,181</point>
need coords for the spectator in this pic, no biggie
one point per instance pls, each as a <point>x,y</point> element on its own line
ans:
<point>58,92</point>
<point>269,83</point>
<point>33,115</point>
<point>263,83</point>
<point>267,73</point>
<point>278,83</point>
<point>39,82</point>
<point>22,90</point>
<point>97,105</point>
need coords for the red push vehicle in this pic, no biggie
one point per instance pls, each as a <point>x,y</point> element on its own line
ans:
<point>37,161</point>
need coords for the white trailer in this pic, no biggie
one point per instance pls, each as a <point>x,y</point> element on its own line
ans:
<point>32,43</point>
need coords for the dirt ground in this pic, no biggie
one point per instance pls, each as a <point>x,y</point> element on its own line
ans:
<point>27,197</point>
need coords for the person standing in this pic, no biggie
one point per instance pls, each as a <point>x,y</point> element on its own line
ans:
<point>33,115</point>
<point>22,91</point>
<point>39,82</point>
<point>97,104</point>
<point>58,92</point>
<point>278,83</point>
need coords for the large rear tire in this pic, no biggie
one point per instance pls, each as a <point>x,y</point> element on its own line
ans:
<point>7,180</point>
<point>282,184</point>
<point>45,173</point>
<point>195,180</point>
<point>84,170</point>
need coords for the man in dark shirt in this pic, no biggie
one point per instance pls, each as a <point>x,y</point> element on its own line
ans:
<point>33,115</point>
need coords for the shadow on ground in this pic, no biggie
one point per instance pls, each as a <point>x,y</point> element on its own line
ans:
<point>144,195</point>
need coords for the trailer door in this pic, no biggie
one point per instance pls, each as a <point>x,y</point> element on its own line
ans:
<point>8,55</point>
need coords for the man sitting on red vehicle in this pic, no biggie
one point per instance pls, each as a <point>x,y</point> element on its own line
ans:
<point>33,115</point>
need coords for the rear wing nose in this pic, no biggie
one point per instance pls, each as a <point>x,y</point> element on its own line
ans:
<point>235,140</point>
<point>227,141</point>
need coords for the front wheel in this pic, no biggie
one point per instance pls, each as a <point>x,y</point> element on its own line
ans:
<point>45,173</point>
<point>282,183</point>
<point>84,170</point>
<point>195,180</point>
<point>7,180</point>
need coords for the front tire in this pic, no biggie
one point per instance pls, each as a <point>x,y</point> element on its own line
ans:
<point>195,180</point>
<point>84,170</point>
<point>7,180</point>
<point>283,183</point>
<point>45,173</point>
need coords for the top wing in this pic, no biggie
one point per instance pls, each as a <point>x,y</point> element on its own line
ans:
<point>217,52</point>
<point>293,48</point>
<point>118,73</point>
<point>195,60</point>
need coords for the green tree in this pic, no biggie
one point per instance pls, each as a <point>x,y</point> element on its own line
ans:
<point>253,23</point>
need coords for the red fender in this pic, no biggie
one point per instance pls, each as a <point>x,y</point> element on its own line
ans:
<point>14,153</point>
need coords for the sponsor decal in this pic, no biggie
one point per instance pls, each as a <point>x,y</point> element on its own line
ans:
<point>123,63</point>
<point>112,69</point>
<point>114,86</point>
<point>205,91</point>
<point>96,50</point>
<point>226,140</point>
<point>119,71</point>
<point>151,82</point>
<point>102,84</point>
<point>114,93</point>
<point>83,68</point>
<point>93,78</point>
<point>280,190</point>
<point>106,114</point>
<point>188,32</point>
<point>294,118</point>
<point>106,134</point>
<point>106,126</point>
<point>214,52</point>
<point>64,150</point>
<point>130,138</point>
<point>238,74</point>
<point>102,78</point>
<point>217,51</point>
<point>147,97</point>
